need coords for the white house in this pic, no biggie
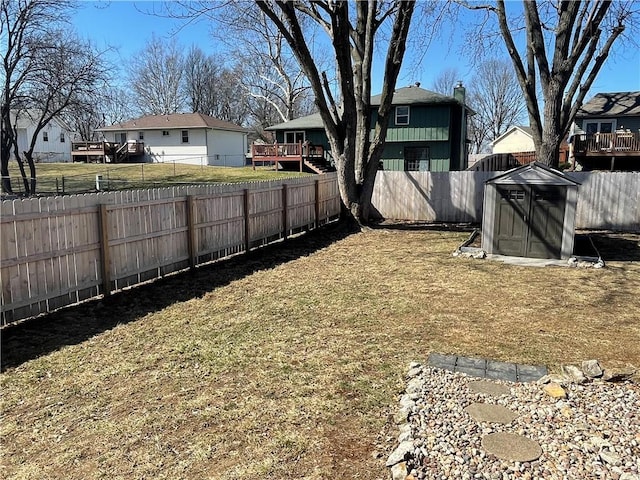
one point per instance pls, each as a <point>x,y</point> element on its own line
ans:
<point>190,138</point>
<point>53,143</point>
<point>516,139</point>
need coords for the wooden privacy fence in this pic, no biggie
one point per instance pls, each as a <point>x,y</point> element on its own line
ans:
<point>57,251</point>
<point>606,200</point>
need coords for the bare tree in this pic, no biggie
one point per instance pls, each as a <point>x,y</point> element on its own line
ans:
<point>66,73</point>
<point>496,97</point>
<point>23,25</point>
<point>46,70</point>
<point>116,105</point>
<point>156,77</point>
<point>445,82</point>
<point>353,30</point>
<point>201,74</point>
<point>271,71</point>
<point>566,44</point>
<point>355,149</point>
<point>232,104</point>
<point>90,111</point>
<point>213,89</point>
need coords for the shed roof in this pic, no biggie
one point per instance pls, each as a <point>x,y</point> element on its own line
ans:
<point>173,121</point>
<point>532,174</point>
<point>611,105</point>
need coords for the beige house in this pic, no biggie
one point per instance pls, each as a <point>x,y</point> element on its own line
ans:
<point>190,138</point>
<point>516,139</point>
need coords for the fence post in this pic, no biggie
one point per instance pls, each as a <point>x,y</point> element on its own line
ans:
<point>191,231</point>
<point>63,185</point>
<point>246,220</point>
<point>104,250</point>
<point>285,212</point>
<point>317,202</point>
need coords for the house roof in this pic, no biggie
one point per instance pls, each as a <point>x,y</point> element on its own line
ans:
<point>533,173</point>
<point>413,95</point>
<point>174,121</point>
<point>309,122</point>
<point>611,105</point>
<point>401,96</point>
<point>33,115</point>
<point>526,130</point>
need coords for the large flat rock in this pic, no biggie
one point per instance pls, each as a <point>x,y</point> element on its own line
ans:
<point>485,412</point>
<point>489,388</point>
<point>509,446</point>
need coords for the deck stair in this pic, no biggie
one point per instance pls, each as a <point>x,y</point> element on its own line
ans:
<point>292,157</point>
<point>318,165</point>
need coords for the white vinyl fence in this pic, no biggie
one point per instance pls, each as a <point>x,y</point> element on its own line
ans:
<point>606,200</point>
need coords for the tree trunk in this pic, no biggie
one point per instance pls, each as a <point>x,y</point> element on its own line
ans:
<point>32,172</point>
<point>23,173</point>
<point>4,171</point>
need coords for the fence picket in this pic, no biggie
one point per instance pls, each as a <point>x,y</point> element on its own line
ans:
<point>50,250</point>
<point>606,200</point>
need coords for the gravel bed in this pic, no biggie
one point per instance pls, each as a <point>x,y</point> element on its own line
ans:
<point>593,433</point>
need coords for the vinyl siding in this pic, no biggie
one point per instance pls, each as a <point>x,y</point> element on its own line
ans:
<point>426,123</point>
<point>439,155</point>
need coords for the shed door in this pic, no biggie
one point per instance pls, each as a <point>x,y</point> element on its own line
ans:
<point>529,221</point>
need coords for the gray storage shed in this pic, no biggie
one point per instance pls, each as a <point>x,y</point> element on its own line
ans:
<point>530,211</point>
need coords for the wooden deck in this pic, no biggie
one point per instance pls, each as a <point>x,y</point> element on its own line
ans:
<point>290,154</point>
<point>617,144</point>
<point>105,151</point>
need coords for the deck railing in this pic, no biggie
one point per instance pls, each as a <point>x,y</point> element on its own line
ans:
<point>285,152</point>
<point>118,151</point>
<point>617,143</point>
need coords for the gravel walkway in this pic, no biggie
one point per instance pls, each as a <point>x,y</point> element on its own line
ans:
<point>594,433</point>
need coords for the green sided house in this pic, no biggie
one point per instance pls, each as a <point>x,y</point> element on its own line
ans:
<point>428,132</point>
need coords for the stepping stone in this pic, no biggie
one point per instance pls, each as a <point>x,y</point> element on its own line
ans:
<point>485,412</point>
<point>509,446</point>
<point>489,388</point>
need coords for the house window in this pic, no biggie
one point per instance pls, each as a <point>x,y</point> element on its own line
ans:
<point>402,115</point>
<point>599,126</point>
<point>140,135</point>
<point>61,137</point>
<point>294,137</point>
<point>45,136</point>
<point>416,159</point>
<point>165,133</point>
<point>185,136</point>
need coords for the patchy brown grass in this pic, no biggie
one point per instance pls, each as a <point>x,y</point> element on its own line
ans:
<point>286,364</point>
<point>81,177</point>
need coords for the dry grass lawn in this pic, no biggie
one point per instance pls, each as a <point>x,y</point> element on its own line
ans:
<point>287,363</point>
<point>81,177</point>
